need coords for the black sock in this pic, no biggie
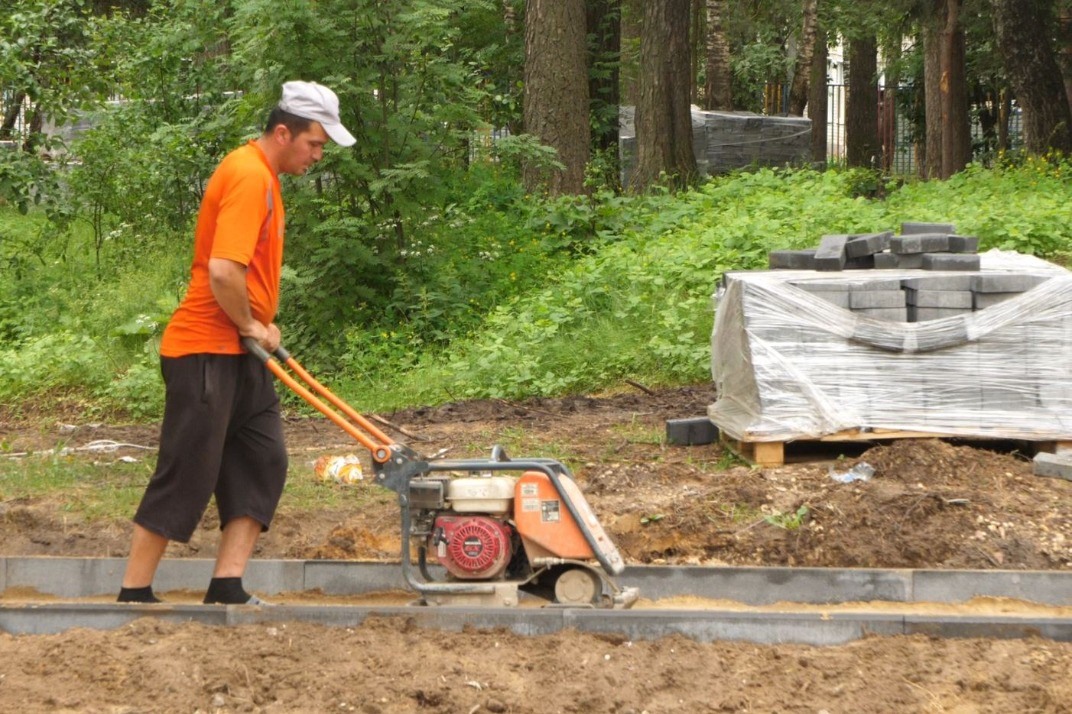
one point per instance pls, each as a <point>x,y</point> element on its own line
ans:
<point>226,591</point>
<point>144,594</point>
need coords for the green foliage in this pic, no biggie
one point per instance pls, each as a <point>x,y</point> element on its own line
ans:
<point>91,488</point>
<point>789,521</point>
<point>639,305</point>
<point>48,55</point>
<point>51,363</point>
<point>1021,204</point>
<point>364,226</point>
<point>503,295</point>
<point>26,180</point>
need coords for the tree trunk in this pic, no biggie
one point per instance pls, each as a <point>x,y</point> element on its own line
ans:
<point>798,93</point>
<point>931,162</point>
<point>1064,44</point>
<point>605,29</point>
<point>509,17</point>
<point>663,114</point>
<point>818,98</point>
<point>956,124</point>
<point>632,11</point>
<point>861,107</point>
<point>718,83</point>
<point>556,92</point>
<point>697,20</point>
<point>1023,29</point>
<point>1004,112</point>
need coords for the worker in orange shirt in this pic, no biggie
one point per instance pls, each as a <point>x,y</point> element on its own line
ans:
<point>222,433</point>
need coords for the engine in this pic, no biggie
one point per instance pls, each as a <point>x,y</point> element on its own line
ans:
<point>472,547</point>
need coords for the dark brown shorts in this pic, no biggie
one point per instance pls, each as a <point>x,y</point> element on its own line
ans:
<point>222,435</point>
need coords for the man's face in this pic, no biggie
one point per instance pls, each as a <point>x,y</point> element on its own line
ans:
<point>303,150</point>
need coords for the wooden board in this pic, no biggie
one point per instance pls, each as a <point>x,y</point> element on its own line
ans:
<point>772,453</point>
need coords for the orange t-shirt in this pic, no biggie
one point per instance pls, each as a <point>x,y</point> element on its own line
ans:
<point>241,219</point>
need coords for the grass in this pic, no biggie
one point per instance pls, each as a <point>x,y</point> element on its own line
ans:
<point>92,489</point>
<point>637,433</point>
<point>110,490</point>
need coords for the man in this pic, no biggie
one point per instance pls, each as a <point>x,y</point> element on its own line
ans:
<point>222,434</point>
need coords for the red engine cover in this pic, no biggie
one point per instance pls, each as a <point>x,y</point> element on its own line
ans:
<point>472,547</point>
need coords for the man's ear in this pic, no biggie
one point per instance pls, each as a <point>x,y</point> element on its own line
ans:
<point>281,134</point>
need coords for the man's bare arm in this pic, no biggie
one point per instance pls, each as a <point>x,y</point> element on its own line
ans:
<point>228,281</point>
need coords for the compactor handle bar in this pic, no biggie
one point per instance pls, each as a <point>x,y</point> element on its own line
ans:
<point>397,464</point>
<point>373,439</point>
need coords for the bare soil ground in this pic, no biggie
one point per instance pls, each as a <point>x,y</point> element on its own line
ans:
<point>930,504</point>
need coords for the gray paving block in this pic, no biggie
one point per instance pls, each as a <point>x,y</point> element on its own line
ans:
<point>864,262</point>
<point>1006,282</point>
<point>981,301</point>
<point>951,261</point>
<point>925,314</point>
<point>868,244</point>
<point>870,284</point>
<point>835,292</point>
<point>823,285</point>
<point>830,255</point>
<point>951,334</point>
<point>960,299</point>
<point>766,586</point>
<point>876,299</point>
<point>1047,587</point>
<point>887,261</point>
<point>963,244</point>
<point>919,243</point>
<point>1053,465</point>
<point>834,297</point>
<point>939,282</point>
<point>1006,399</point>
<point>996,627</point>
<point>911,228</point>
<point>889,314</point>
<point>691,432</point>
<point>910,262</point>
<point>792,259</point>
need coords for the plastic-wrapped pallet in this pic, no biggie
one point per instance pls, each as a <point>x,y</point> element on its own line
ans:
<point>724,141</point>
<point>789,364</point>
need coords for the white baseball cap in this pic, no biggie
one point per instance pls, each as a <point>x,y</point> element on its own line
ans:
<point>310,100</point>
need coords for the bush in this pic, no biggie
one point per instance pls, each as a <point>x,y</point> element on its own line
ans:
<point>502,294</point>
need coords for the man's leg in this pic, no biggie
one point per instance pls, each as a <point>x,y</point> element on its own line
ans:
<point>252,475</point>
<point>236,546</point>
<point>196,411</point>
<point>146,550</point>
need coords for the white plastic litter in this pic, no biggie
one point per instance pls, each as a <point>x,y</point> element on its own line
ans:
<point>862,471</point>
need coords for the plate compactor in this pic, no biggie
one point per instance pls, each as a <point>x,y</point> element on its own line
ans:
<point>497,526</point>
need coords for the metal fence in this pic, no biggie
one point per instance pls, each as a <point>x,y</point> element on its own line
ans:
<point>14,117</point>
<point>898,135</point>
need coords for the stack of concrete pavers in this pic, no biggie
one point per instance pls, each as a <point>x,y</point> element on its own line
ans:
<point>925,246</point>
<point>725,141</point>
<point>919,298</point>
<point>739,139</point>
<point>920,246</point>
<point>799,354</point>
<point>882,299</point>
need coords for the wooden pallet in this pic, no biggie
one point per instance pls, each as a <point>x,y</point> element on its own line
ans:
<point>772,453</point>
